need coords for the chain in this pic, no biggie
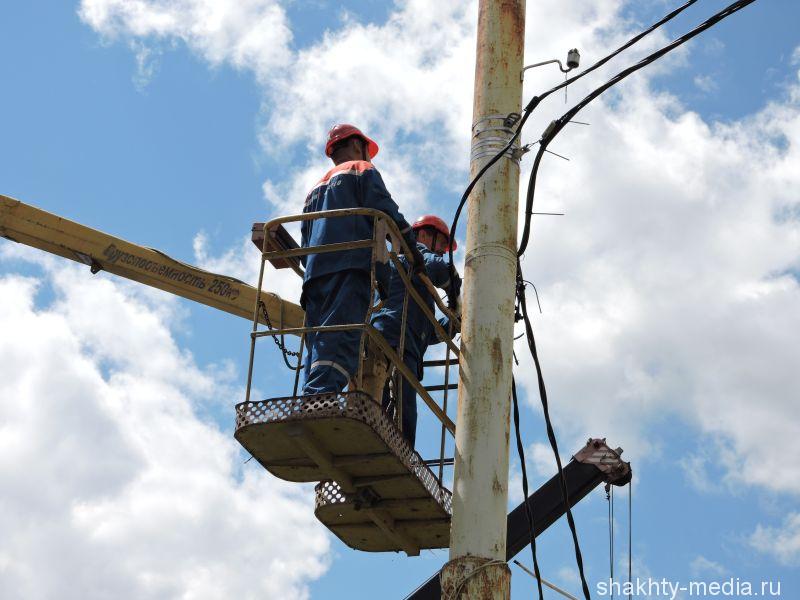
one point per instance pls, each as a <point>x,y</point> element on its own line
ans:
<point>279,342</point>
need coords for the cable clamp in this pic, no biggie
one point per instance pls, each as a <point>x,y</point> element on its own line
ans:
<point>546,133</point>
<point>518,153</point>
<point>512,119</point>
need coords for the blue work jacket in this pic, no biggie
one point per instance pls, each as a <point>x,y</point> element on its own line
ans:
<point>420,332</point>
<point>353,184</point>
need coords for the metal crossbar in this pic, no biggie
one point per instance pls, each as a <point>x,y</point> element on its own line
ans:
<point>383,229</point>
<point>396,239</point>
<point>442,362</point>
<point>337,247</point>
<point>398,363</point>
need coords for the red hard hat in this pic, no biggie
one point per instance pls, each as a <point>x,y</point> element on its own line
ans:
<point>438,225</point>
<point>342,131</point>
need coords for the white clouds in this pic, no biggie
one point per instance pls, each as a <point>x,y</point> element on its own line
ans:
<point>146,63</point>
<point>567,575</point>
<point>243,261</point>
<point>666,287</point>
<point>705,83</point>
<point>408,81</point>
<point>411,75</point>
<point>703,567</point>
<point>409,78</point>
<point>696,469</point>
<point>782,543</point>
<point>542,461</point>
<point>247,34</point>
<point>795,58</point>
<point>713,46</point>
<point>111,479</point>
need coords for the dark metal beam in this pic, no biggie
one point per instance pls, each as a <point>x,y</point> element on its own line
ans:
<point>547,506</point>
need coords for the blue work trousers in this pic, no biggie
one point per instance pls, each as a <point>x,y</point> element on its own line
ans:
<point>409,415</point>
<point>337,299</point>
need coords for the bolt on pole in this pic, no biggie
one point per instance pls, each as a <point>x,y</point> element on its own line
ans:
<point>477,567</point>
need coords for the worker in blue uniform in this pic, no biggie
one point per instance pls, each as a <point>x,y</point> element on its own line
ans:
<point>336,285</point>
<point>433,241</point>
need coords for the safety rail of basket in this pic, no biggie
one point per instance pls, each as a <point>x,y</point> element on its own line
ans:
<point>383,229</point>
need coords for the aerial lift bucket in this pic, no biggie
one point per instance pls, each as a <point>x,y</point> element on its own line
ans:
<point>376,493</point>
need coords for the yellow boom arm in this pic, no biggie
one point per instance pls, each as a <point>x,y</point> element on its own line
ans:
<point>34,227</point>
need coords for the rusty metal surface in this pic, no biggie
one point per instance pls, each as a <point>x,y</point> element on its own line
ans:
<point>475,577</point>
<point>418,523</point>
<point>384,497</point>
<point>273,255</point>
<point>382,222</point>
<point>378,343</point>
<point>546,504</point>
<point>480,487</point>
<point>302,330</point>
<point>401,366</point>
<point>596,452</point>
<point>278,239</point>
<point>306,434</point>
<point>421,304</point>
<point>40,229</point>
<point>259,429</point>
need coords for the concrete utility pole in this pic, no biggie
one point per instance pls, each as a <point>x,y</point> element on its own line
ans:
<point>477,566</point>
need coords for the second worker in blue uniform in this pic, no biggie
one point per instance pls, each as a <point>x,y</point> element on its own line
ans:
<point>433,240</point>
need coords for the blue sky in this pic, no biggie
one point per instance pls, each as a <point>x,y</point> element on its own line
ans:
<point>668,312</point>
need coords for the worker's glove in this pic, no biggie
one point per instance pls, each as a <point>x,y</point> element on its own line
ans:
<point>455,283</point>
<point>418,267</point>
<point>453,289</point>
<point>419,262</point>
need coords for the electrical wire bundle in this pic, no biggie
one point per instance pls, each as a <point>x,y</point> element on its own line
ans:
<point>547,137</point>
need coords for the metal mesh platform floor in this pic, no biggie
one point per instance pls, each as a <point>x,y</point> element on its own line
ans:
<point>376,492</point>
<point>381,525</point>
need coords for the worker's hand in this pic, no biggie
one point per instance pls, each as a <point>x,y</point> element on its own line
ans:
<point>455,283</point>
<point>419,260</point>
<point>453,289</point>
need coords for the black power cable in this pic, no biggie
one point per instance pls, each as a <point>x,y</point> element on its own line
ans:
<point>668,17</point>
<point>551,132</point>
<point>535,102</point>
<point>610,499</point>
<point>528,514</point>
<point>451,295</point>
<point>630,539</point>
<point>556,126</point>
<point>523,306</point>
